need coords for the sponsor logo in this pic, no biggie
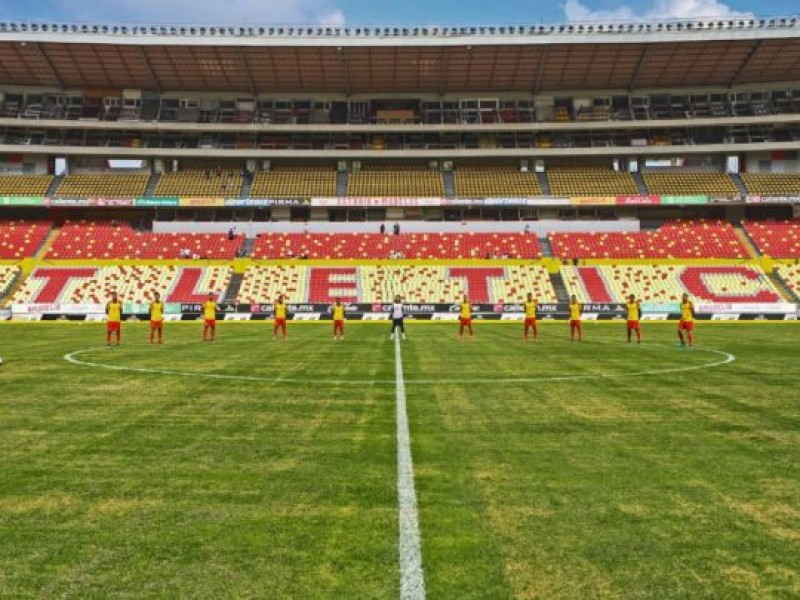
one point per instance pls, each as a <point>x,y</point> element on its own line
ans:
<point>512,317</point>
<point>307,316</point>
<point>655,317</point>
<point>725,317</point>
<point>375,316</point>
<point>237,317</point>
<point>448,316</point>
<point>589,316</point>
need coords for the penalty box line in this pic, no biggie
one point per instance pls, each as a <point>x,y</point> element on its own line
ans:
<point>412,575</point>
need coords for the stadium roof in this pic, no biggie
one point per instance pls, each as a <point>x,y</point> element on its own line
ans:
<point>276,60</point>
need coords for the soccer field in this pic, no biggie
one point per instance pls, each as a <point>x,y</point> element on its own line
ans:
<point>259,468</point>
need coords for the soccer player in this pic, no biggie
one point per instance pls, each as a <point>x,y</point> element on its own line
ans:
<point>280,317</point>
<point>634,307</point>
<point>530,317</point>
<point>210,318</point>
<point>465,318</point>
<point>338,320</point>
<point>114,319</point>
<point>687,321</point>
<point>156,318</point>
<point>397,318</point>
<point>575,310</point>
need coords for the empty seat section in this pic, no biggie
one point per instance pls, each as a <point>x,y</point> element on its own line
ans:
<point>689,183</point>
<point>675,239</point>
<point>667,283</point>
<point>110,186</point>
<point>24,185</point>
<point>772,184</point>
<point>105,240</point>
<point>20,239</point>
<point>264,284</point>
<point>790,275</point>
<point>411,245</point>
<point>225,182</point>
<point>294,183</point>
<point>8,276</point>
<point>396,181</point>
<point>591,182</point>
<point>778,239</point>
<point>136,284</point>
<point>480,182</point>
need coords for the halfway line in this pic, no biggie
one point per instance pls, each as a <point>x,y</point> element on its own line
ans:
<point>412,577</point>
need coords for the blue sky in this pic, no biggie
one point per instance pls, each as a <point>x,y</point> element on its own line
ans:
<point>383,12</point>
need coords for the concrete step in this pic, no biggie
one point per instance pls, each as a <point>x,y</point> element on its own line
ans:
<point>234,287</point>
<point>560,288</point>
<point>785,291</point>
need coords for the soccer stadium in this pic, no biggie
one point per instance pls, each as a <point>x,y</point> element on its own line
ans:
<point>379,312</point>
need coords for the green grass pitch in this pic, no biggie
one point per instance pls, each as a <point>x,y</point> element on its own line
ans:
<point>256,468</point>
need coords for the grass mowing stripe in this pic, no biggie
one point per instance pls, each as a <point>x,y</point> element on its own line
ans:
<point>412,576</point>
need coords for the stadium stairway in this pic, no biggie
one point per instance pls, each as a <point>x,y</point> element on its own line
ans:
<point>247,247</point>
<point>151,185</point>
<point>341,184</point>
<point>544,184</point>
<point>247,183</point>
<point>233,287</point>
<point>640,184</point>
<point>5,299</point>
<point>449,184</point>
<point>47,242</point>
<point>785,291</point>
<point>547,248</point>
<point>746,240</point>
<point>51,189</point>
<point>560,288</point>
<point>737,181</point>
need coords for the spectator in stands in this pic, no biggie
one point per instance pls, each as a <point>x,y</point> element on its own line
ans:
<point>232,233</point>
<point>219,171</point>
<point>304,254</point>
<point>397,228</point>
<point>290,253</point>
<point>383,229</point>
<point>527,227</point>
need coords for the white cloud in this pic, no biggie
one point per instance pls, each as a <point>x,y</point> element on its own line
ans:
<point>228,12</point>
<point>575,10</point>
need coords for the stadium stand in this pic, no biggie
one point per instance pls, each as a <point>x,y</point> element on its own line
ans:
<point>772,184</point>
<point>106,240</point>
<point>689,183</point>
<point>591,182</point>
<point>99,186</point>
<point>19,239</point>
<point>396,181</point>
<point>666,283</point>
<point>480,182</point>
<point>705,238</point>
<point>416,284</point>
<point>8,275</point>
<point>790,275</point>
<point>778,239</point>
<point>93,285</point>
<point>24,185</point>
<point>201,182</point>
<point>297,182</point>
<point>411,246</point>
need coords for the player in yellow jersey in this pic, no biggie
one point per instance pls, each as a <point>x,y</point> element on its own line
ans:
<point>279,316</point>
<point>531,306</point>
<point>634,308</point>
<point>465,318</point>
<point>575,310</point>
<point>156,318</point>
<point>114,319</point>
<point>338,319</point>
<point>210,318</point>
<point>687,321</point>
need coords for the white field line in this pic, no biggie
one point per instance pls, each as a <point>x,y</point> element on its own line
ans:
<point>72,357</point>
<point>412,576</point>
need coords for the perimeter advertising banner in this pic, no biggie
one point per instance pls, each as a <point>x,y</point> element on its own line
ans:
<point>265,202</point>
<point>157,202</point>
<point>22,201</point>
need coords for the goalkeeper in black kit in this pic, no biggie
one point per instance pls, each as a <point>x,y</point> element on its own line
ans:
<point>397,318</point>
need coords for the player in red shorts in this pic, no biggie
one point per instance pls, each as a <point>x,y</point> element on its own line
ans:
<point>687,321</point>
<point>156,318</point>
<point>530,318</point>
<point>338,320</point>
<point>279,316</point>
<point>634,307</point>
<point>465,318</point>
<point>575,310</point>
<point>114,320</point>
<point>210,318</point>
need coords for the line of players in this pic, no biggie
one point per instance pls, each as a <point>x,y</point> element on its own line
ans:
<point>397,315</point>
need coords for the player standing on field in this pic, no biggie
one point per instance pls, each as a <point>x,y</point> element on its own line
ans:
<point>531,306</point>
<point>634,308</point>
<point>210,318</point>
<point>465,318</point>
<point>280,317</point>
<point>687,321</point>
<point>338,320</point>
<point>397,318</point>
<point>575,310</point>
<point>156,318</point>
<point>114,319</point>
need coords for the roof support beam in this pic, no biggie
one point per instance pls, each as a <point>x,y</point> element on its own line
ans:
<point>348,86</point>
<point>637,72</point>
<point>250,81</point>
<point>745,63</point>
<point>537,86</point>
<point>150,69</point>
<point>444,60</point>
<point>49,64</point>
